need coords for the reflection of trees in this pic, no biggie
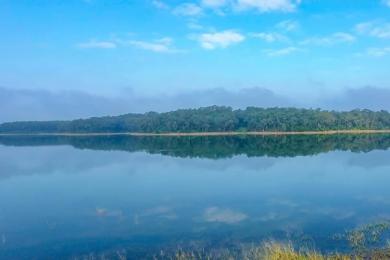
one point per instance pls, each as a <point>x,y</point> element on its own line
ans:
<point>214,146</point>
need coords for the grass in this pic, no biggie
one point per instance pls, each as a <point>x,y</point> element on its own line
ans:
<point>275,251</point>
<point>267,251</point>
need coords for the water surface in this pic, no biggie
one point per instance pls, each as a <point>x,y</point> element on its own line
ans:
<point>62,197</point>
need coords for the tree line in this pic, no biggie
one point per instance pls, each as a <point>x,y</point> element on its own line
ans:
<point>213,119</point>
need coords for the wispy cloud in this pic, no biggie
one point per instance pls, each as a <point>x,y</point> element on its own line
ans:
<point>267,5</point>
<point>97,45</point>
<point>221,39</point>
<point>281,52</point>
<point>220,6</point>
<point>214,3</point>
<point>386,2</point>
<point>364,27</point>
<point>163,45</point>
<point>188,9</point>
<point>339,37</point>
<point>193,25</point>
<point>288,25</point>
<point>374,29</point>
<point>270,37</point>
<point>378,52</point>
<point>160,4</point>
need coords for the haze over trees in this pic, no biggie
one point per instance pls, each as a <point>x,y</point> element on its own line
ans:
<point>213,119</point>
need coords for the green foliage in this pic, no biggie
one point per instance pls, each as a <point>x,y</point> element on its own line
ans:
<point>213,119</point>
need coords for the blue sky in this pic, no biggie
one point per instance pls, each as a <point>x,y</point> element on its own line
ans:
<point>298,48</point>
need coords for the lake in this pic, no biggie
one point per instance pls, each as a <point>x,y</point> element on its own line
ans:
<point>68,197</point>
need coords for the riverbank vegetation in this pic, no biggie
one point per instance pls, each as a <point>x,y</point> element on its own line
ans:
<point>213,119</point>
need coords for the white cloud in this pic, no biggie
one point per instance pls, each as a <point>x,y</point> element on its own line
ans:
<point>214,3</point>
<point>288,25</point>
<point>267,5</point>
<point>97,45</point>
<point>163,45</point>
<point>270,37</point>
<point>335,38</point>
<point>281,52</point>
<point>378,52</point>
<point>160,4</point>
<point>374,29</point>
<point>188,9</point>
<point>222,39</point>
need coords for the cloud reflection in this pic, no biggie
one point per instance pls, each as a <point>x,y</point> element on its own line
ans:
<point>228,216</point>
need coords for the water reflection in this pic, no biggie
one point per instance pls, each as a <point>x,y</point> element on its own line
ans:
<point>228,216</point>
<point>214,147</point>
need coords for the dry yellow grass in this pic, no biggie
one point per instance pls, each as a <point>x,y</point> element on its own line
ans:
<point>268,251</point>
<point>275,251</point>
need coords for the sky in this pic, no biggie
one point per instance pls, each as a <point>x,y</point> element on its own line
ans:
<point>62,59</point>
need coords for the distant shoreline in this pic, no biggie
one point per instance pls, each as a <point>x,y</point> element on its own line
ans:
<point>173,134</point>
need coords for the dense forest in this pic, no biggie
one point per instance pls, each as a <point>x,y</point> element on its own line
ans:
<point>213,119</point>
<point>213,147</point>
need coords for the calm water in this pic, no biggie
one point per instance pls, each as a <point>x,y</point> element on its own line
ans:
<point>62,197</point>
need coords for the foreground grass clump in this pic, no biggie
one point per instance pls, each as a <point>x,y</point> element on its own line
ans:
<point>268,251</point>
<point>275,251</point>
